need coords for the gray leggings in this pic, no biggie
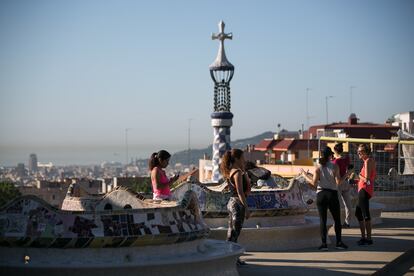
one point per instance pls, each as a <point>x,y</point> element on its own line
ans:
<point>236,218</point>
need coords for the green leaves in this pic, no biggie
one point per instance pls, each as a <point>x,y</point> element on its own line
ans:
<point>142,185</point>
<point>8,192</point>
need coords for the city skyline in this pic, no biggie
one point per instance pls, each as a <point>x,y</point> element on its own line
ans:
<point>77,74</point>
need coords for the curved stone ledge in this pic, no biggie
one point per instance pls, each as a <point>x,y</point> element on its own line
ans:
<point>395,201</point>
<point>200,257</point>
<point>259,222</point>
<point>276,238</point>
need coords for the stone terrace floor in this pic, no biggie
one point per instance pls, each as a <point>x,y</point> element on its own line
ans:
<point>391,254</point>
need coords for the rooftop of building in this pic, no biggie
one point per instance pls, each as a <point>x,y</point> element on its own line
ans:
<point>353,122</point>
<point>286,144</point>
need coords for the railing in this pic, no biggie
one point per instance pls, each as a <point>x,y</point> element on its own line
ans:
<point>379,152</point>
<point>394,170</point>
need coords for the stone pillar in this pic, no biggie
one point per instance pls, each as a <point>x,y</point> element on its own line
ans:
<point>221,122</point>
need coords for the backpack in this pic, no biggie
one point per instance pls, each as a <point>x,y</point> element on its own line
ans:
<point>258,173</point>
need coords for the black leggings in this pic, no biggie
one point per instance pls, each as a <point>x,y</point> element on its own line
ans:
<point>328,199</point>
<point>362,209</point>
<point>236,218</point>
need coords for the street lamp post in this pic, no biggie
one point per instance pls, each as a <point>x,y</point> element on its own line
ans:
<point>307,115</point>
<point>307,107</point>
<point>326,105</point>
<point>189,144</point>
<point>126,145</point>
<point>351,88</point>
<point>221,72</point>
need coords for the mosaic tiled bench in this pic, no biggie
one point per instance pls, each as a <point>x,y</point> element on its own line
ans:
<point>157,238</point>
<point>31,222</point>
<point>262,202</point>
<point>277,219</point>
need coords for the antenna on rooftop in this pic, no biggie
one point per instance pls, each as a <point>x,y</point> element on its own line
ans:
<point>351,88</point>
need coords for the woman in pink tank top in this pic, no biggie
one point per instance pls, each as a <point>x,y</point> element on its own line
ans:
<point>159,180</point>
<point>365,192</point>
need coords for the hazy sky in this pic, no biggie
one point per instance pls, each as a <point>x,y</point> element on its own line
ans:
<point>78,73</point>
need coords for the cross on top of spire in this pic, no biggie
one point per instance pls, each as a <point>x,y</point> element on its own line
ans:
<point>221,63</point>
<point>222,36</point>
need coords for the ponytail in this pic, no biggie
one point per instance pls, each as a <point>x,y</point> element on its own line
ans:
<point>157,157</point>
<point>227,161</point>
<point>153,162</point>
<point>326,156</point>
<point>322,161</point>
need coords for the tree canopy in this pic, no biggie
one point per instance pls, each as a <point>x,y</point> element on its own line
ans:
<point>8,192</point>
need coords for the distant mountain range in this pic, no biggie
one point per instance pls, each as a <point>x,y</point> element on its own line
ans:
<point>196,154</point>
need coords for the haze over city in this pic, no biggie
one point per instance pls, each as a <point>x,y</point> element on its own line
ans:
<point>74,75</point>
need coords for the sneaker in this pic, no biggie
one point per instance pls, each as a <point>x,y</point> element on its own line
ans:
<point>341,245</point>
<point>346,225</point>
<point>369,242</point>
<point>240,262</point>
<point>323,247</point>
<point>362,242</point>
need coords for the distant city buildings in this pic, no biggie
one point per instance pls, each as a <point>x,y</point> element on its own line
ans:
<point>287,134</point>
<point>292,148</point>
<point>297,149</point>
<point>353,129</point>
<point>32,163</point>
<point>20,170</point>
<point>51,182</point>
<point>52,192</point>
<point>287,150</point>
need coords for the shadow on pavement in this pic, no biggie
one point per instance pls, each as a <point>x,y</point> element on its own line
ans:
<point>313,261</point>
<point>398,266</point>
<point>391,238</point>
<point>406,223</point>
<point>252,269</point>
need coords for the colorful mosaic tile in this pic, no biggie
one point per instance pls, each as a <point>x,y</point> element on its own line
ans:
<point>266,202</point>
<point>30,222</point>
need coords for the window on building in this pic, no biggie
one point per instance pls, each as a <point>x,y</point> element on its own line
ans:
<point>127,206</point>
<point>108,206</point>
<point>320,132</point>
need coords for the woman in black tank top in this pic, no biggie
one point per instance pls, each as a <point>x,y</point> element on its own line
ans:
<point>232,185</point>
<point>326,180</point>
<point>232,169</point>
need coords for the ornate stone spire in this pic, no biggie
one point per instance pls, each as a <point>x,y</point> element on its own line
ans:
<point>221,62</point>
<point>221,72</point>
